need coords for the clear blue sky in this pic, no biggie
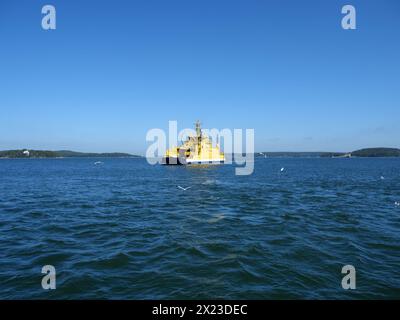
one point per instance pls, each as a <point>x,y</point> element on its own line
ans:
<point>114,69</point>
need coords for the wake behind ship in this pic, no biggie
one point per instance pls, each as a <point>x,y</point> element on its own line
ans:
<point>197,149</point>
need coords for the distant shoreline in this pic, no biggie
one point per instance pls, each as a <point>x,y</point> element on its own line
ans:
<point>62,154</point>
<point>90,157</point>
<point>46,154</point>
<point>361,153</point>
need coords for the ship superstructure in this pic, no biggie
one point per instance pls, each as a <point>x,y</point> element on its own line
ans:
<point>197,149</point>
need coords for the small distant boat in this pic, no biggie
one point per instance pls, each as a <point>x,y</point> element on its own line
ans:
<point>98,162</point>
<point>347,155</point>
<point>196,149</point>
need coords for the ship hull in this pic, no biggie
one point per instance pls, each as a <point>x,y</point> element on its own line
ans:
<point>205,161</point>
<point>183,161</point>
<point>171,161</point>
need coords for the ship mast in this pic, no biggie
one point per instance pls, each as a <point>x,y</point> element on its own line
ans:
<point>198,133</point>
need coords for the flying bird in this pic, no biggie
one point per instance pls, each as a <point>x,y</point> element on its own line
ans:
<point>182,188</point>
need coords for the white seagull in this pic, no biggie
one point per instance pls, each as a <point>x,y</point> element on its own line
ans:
<point>182,188</point>
<point>282,169</point>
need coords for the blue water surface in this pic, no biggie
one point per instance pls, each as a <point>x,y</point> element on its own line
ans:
<point>122,229</point>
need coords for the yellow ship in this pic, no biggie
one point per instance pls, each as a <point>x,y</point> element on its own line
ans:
<point>197,149</point>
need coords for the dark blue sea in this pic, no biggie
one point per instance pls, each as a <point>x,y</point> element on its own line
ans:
<point>122,229</point>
